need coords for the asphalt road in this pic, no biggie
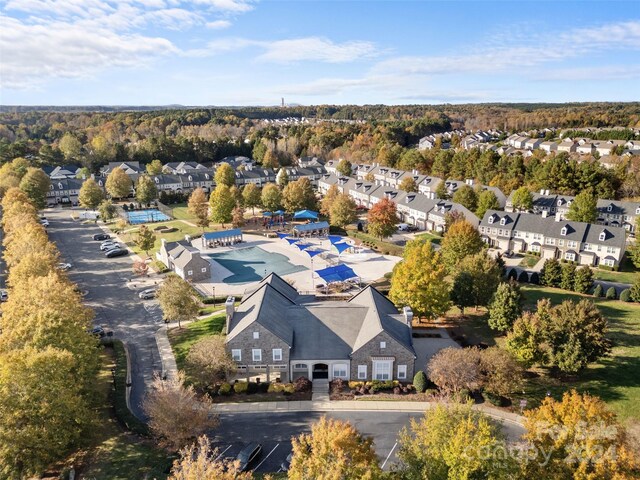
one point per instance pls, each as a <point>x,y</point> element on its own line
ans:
<point>274,432</point>
<point>117,307</point>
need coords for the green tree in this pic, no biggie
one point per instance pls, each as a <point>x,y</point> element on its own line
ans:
<point>419,281</point>
<point>35,184</point>
<point>583,280</point>
<point>584,207</point>
<point>487,200</point>
<point>83,174</point>
<point>146,189</point>
<point>118,183</point>
<point>408,184</point>
<point>199,207</point>
<point>90,194</point>
<point>420,381</point>
<point>251,197</point>
<point>177,300</point>
<point>299,195</point>
<point>225,175</point>
<point>633,252</point>
<point>462,290</point>
<point>154,167</point>
<point>461,240</point>
<point>611,293</point>
<point>271,197</point>
<point>222,204</point>
<point>107,210</point>
<point>382,219</point>
<point>343,211</point>
<point>485,273</point>
<point>344,167</point>
<point>441,191</point>
<point>70,147</point>
<point>259,151</point>
<point>635,290</point>
<point>522,200</point>
<point>450,442</point>
<point>506,306</point>
<point>551,273</point>
<point>598,292</point>
<point>334,449</point>
<point>568,274</point>
<point>145,239</point>
<point>524,341</point>
<point>467,197</point>
<point>328,199</point>
<point>282,178</point>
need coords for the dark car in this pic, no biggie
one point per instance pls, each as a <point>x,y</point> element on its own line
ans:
<point>116,252</point>
<point>248,454</point>
<point>286,464</point>
<point>97,331</point>
<point>101,236</point>
<point>412,228</point>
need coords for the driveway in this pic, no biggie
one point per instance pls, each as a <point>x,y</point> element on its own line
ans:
<point>117,307</point>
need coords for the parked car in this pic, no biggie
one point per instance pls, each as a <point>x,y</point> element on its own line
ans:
<point>286,464</point>
<point>403,227</point>
<point>4,296</point>
<point>248,454</point>
<point>101,236</point>
<point>148,294</point>
<point>64,266</point>
<point>108,246</point>
<point>97,331</point>
<point>412,228</point>
<point>45,222</point>
<point>116,252</point>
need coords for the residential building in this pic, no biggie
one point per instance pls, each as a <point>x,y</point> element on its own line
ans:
<point>184,260</point>
<point>176,168</point>
<point>549,147</point>
<point>64,190</point>
<point>133,169</point>
<point>533,143</point>
<point>279,333</point>
<point>61,171</point>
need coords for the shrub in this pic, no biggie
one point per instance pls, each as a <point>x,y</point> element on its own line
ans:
<point>240,387</point>
<point>262,387</point>
<point>420,381</point>
<point>625,295</point>
<point>512,275</point>
<point>523,277</point>
<point>288,388</point>
<point>252,388</point>
<point>535,278</point>
<point>598,291</point>
<point>275,387</point>
<point>302,384</point>
<point>463,396</point>
<point>225,389</point>
<point>337,385</point>
<point>611,293</point>
<point>397,390</point>
<point>356,385</point>
<point>493,399</point>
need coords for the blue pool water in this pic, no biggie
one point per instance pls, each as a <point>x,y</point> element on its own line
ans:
<point>252,263</point>
<point>146,216</point>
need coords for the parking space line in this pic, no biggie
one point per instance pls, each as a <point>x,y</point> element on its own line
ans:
<point>387,459</point>
<point>221,454</point>
<point>265,458</point>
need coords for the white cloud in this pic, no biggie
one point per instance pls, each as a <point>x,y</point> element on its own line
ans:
<point>315,49</point>
<point>218,24</point>
<point>236,6</point>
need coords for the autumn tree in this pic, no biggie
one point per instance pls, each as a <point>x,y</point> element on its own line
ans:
<point>582,439</point>
<point>454,369</point>
<point>199,461</point>
<point>271,197</point>
<point>299,195</point>
<point>35,184</point>
<point>333,449</point>
<point>441,191</point>
<point>107,210</point>
<point>343,211</point>
<point>28,238</point>
<point>487,200</point>
<point>344,167</point>
<point>522,200</point>
<point>328,199</point>
<point>500,374</point>
<point>70,146</point>
<point>382,219</point>
<point>451,441</point>
<point>583,208</point>
<point>467,197</point>
<point>177,416</point>
<point>154,167</point>
<point>461,240</point>
<point>198,206</point>
<point>419,281</point>
<point>146,189</point>
<point>118,183</point>
<point>225,175</point>
<point>408,184</point>
<point>177,300</point>
<point>90,194</point>
<point>237,219</point>
<point>505,307</point>
<point>282,178</point>
<point>251,197</point>
<point>221,204</point>
<point>145,239</point>
<point>209,362</point>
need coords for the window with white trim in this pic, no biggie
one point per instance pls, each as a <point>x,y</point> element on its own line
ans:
<point>609,263</point>
<point>362,372</point>
<point>340,370</point>
<point>256,335</point>
<point>204,270</point>
<point>570,256</point>
<point>189,272</point>
<point>236,354</point>
<point>382,369</point>
<point>256,354</point>
<point>277,354</point>
<point>383,344</point>
<point>402,372</point>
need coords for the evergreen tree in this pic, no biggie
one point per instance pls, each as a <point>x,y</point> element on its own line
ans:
<point>583,280</point>
<point>611,293</point>
<point>634,292</point>
<point>551,274</point>
<point>467,197</point>
<point>505,307</point>
<point>598,292</point>
<point>568,274</point>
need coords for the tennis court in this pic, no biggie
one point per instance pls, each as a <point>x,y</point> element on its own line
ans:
<point>251,264</point>
<point>146,216</point>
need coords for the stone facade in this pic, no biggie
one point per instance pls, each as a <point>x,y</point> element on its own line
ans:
<point>393,349</point>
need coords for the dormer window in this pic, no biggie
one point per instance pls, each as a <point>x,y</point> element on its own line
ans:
<point>206,175</point>
<point>190,178</point>
<point>559,202</point>
<point>60,186</point>
<point>563,232</point>
<point>503,221</point>
<point>157,180</point>
<point>609,208</point>
<point>603,236</point>
<point>638,211</point>
<point>490,219</point>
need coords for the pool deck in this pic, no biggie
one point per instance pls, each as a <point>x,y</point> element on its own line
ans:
<point>368,265</point>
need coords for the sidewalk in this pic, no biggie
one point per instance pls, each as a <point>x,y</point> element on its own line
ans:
<point>351,405</point>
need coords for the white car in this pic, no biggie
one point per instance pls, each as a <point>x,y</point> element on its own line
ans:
<point>64,266</point>
<point>4,296</point>
<point>109,246</point>
<point>45,223</point>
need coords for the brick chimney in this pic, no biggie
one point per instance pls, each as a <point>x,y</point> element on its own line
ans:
<point>229,306</point>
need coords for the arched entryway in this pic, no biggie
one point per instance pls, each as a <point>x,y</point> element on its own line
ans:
<point>320,371</point>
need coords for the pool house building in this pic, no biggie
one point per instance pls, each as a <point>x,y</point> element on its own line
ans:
<point>223,238</point>
<point>315,229</point>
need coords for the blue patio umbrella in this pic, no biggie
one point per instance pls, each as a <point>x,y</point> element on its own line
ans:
<point>341,247</point>
<point>303,246</point>
<point>278,212</point>
<point>292,240</point>
<point>305,215</point>
<point>313,253</point>
<point>335,238</point>
<point>282,235</point>
<point>267,214</point>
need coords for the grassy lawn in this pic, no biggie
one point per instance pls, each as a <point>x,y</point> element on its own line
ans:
<point>628,273</point>
<point>182,230</point>
<point>614,379</point>
<point>181,339</point>
<point>386,248</point>
<point>118,454</point>
<point>180,212</point>
<point>430,236</point>
<point>529,261</point>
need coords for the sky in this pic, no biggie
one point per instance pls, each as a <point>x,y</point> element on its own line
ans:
<point>254,52</point>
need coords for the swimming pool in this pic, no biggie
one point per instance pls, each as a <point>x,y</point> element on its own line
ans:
<point>146,216</point>
<point>251,264</point>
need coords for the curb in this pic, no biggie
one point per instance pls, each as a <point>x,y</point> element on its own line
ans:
<point>128,379</point>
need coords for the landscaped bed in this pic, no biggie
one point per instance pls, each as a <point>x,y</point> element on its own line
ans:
<point>242,391</point>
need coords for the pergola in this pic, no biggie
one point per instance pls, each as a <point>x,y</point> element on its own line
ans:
<point>311,229</point>
<point>223,238</point>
